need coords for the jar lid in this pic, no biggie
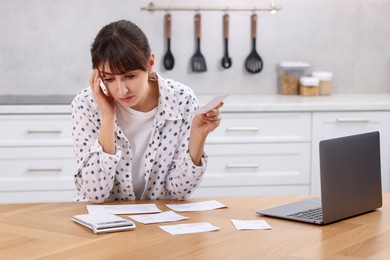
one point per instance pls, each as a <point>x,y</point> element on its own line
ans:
<point>322,75</point>
<point>309,81</point>
<point>293,65</point>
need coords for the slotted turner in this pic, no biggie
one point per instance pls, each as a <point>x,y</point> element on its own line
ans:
<point>254,63</point>
<point>198,62</point>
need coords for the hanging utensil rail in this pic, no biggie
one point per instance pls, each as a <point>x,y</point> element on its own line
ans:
<point>271,8</point>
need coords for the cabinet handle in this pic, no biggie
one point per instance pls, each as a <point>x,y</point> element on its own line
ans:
<point>350,119</point>
<point>44,169</point>
<point>242,165</point>
<point>243,128</point>
<point>44,131</point>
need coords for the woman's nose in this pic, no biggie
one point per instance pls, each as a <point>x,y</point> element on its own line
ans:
<point>122,88</point>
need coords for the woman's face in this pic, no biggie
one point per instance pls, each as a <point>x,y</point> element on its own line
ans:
<point>130,89</point>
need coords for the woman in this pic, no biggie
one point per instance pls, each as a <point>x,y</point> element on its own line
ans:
<point>138,139</point>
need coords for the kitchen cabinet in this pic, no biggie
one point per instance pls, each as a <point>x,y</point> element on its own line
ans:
<point>256,130</point>
<point>342,123</point>
<point>36,158</point>
<point>258,154</point>
<point>278,153</point>
<point>266,144</point>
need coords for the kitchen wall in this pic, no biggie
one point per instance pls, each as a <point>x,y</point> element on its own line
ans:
<point>44,46</point>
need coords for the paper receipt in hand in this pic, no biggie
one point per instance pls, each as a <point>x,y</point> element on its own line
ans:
<point>211,104</point>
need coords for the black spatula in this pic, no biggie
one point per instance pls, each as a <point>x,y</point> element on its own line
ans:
<point>254,63</point>
<point>198,62</point>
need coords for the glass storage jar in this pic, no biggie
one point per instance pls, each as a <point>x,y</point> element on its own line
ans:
<point>288,76</point>
<point>325,86</point>
<point>309,86</point>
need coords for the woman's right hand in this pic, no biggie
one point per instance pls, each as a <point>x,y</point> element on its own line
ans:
<point>104,101</point>
<point>106,106</point>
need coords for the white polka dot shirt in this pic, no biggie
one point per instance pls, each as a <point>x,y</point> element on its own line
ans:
<point>169,171</point>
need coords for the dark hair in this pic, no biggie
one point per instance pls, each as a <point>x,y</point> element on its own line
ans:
<point>123,45</point>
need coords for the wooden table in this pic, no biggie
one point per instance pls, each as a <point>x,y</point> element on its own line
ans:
<point>45,231</point>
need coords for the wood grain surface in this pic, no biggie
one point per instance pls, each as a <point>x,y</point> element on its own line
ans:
<point>45,231</point>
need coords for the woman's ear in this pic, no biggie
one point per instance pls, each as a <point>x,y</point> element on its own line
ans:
<point>152,74</point>
<point>151,62</point>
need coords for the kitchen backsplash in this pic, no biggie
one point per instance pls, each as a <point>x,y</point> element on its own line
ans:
<point>44,46</point>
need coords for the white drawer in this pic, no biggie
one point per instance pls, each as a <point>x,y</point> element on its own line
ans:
<point>37,168</point>
<point>336,124</point>
<point>26,130</point>
<point>262,127</point>
<point>257,164</point>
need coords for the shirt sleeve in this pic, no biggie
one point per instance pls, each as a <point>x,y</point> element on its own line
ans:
<point>95,174</point>
<point>184,176</point>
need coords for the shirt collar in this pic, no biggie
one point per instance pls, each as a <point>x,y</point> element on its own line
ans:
<point>168,107</point>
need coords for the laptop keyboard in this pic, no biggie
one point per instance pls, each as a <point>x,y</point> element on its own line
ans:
<point>313,214</point>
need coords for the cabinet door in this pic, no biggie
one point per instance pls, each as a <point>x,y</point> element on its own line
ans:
<point>328,125</point>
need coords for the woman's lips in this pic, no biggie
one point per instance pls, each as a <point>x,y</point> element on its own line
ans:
<point>126,99</point>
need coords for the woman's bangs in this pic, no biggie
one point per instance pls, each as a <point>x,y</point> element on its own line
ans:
<point>123,60</point>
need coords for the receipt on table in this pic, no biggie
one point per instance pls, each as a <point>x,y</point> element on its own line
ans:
<point>124,209</point>
<point>250,224</point>
<point>167,216</point>
<point>189,228</point>
<point>196,206</point>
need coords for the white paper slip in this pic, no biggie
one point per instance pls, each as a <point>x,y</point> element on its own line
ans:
<point>210,105</point>
<point>189,228</point>
<point>124,209</point>
<point>167,216</point>
<point>250,224</point>
<point>196,206</point>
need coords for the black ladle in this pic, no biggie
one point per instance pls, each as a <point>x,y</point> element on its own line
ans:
<point>169,61</point>
<point>226,60</point>
<point>254,63</point>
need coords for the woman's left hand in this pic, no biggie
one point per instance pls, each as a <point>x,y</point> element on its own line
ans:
<point>202,125</point>
<point>206,123</point>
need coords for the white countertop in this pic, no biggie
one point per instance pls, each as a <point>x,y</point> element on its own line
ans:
<point>254,103</point>
<point>274,103</point>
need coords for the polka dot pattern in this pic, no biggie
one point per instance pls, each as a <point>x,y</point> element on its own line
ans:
<point>169,171</point>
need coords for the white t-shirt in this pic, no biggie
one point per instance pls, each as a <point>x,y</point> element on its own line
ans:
<point>137,127</point>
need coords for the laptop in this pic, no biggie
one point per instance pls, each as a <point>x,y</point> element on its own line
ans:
<point>350,170</point>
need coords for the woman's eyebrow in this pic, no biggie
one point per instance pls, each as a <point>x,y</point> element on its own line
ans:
<point>103,72</point>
